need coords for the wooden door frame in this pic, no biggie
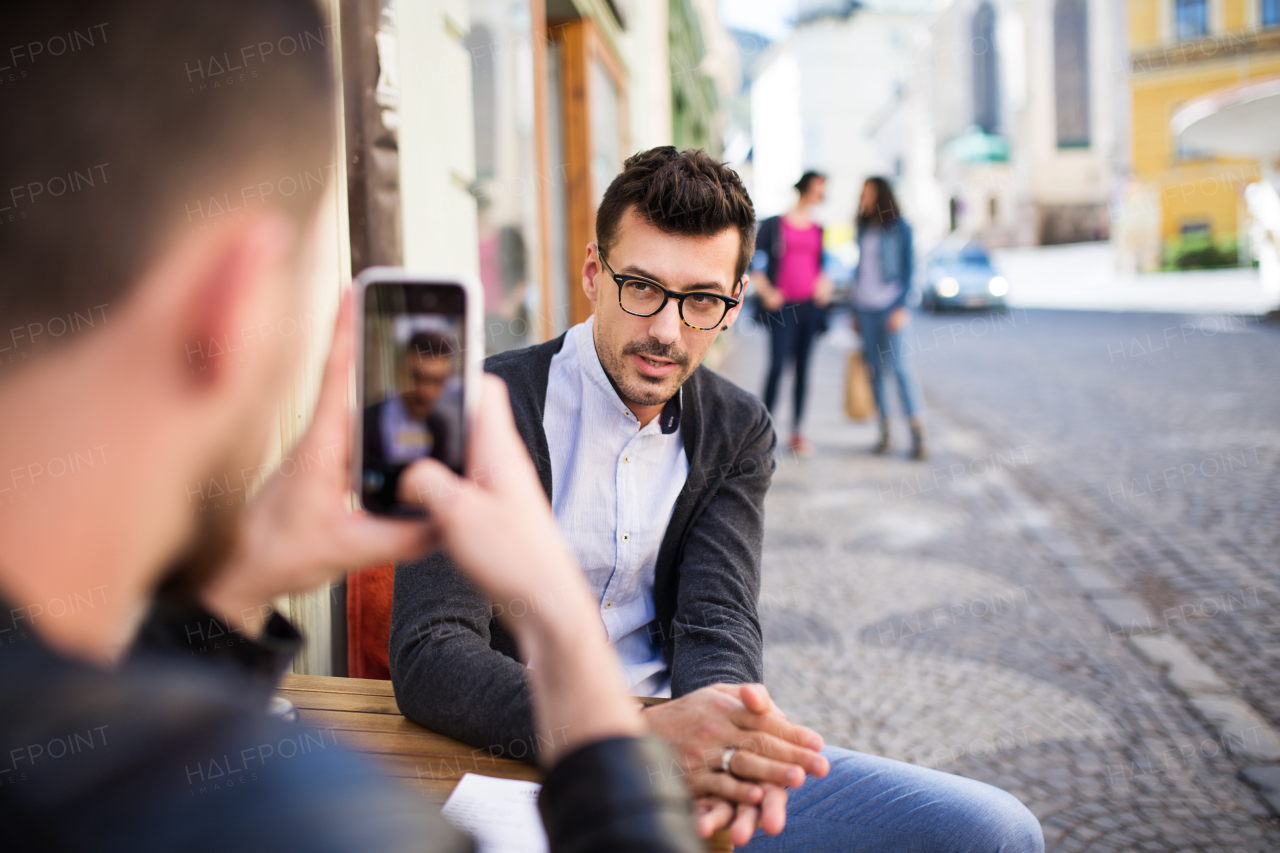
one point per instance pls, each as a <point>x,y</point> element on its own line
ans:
<point>580,44</point>
<point>542,159</point>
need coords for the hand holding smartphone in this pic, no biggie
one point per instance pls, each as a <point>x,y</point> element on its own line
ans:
<point>419,346</point>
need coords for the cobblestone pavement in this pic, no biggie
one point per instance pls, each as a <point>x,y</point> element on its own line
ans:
<point>949,612</point>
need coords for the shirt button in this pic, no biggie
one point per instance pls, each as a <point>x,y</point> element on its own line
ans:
<point>626,459</point>
<point>626,537</point>
<point>608,604</point>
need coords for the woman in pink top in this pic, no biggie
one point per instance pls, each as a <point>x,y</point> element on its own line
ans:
<point>787,273</point>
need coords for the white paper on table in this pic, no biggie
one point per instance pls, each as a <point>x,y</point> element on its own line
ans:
<point>500,814</point>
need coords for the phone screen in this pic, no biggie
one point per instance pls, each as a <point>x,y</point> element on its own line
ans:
<point>413,385</point>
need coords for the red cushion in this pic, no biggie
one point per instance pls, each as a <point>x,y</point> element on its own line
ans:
<point>369,621</point>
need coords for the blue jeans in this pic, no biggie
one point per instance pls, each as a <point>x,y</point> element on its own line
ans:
<point>885,351</point>
<point>792,331</point>
<point>868,803</point>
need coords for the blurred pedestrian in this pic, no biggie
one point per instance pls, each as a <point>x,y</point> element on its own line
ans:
<point>881,285</point>
<point>793,294</point>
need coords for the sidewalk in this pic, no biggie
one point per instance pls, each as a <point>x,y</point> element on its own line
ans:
<point>923,611</point>
<point>1083,277</point>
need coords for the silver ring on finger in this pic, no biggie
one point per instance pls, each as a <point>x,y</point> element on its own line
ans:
<point>726,755</point>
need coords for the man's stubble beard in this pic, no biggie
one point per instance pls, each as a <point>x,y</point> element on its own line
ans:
<point>636,388</point>
<point>218,521</point>
<point>217,528</point>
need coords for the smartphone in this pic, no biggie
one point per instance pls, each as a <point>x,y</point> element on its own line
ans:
<point>419,351</point>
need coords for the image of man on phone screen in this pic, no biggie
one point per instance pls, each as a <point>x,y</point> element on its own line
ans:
<point>422,420</point>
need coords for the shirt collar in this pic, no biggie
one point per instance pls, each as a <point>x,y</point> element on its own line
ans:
<point>589,360</point>
<point>670,417</point>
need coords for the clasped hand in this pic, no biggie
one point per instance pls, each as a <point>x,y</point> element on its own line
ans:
<point>772,754</point>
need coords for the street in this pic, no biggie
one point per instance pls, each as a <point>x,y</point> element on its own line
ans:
<point>1075,598</point>
<point>1084,276</point>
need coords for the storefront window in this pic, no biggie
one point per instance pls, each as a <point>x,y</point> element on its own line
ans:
<point>506,176</point>
<point>606,157</point>
<point>555,187</point>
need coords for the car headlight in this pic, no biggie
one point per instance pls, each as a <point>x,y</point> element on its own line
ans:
<point>948,287</point>
<point>998,286</point>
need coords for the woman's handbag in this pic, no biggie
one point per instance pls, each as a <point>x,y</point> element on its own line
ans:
<point>859,403</point>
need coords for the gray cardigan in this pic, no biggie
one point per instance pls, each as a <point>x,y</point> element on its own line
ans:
<point>456,670</point>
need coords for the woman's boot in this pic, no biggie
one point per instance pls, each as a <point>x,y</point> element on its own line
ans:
<point>919,449</point>
<point>883,445</point>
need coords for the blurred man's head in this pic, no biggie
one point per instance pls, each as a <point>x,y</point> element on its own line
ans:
<point>162,164</point>
<point>430,358</point>
<point>683,221</point>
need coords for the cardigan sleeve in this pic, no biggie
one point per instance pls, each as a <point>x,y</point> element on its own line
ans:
<point>454,670</point>
<point>715,632</point>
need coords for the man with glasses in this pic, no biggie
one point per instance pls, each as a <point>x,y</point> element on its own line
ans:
<point>657,470</point>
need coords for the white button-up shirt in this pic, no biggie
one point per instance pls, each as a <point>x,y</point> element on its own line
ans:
<point>614,485</point>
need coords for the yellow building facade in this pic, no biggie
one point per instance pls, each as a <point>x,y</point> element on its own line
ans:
<point>1179,51</point>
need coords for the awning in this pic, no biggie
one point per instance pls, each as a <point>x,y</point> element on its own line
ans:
<point>975,146</point>
<point>1242,120</point>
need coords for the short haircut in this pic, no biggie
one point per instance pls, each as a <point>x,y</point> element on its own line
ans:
<point>432,344</point>
<point>806,181</point>
<point>680,192</point>
<point>135,122</point>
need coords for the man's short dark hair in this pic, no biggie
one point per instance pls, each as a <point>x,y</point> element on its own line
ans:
<point>680,192</point>
<point>432,344</point>
<point>130,123</point>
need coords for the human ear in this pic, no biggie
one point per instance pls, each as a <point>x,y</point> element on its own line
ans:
<point>230,285</point>
<point>732,316</point>
<point>591,268</point>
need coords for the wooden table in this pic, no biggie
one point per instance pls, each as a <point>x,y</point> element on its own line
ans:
<point>363,716</point>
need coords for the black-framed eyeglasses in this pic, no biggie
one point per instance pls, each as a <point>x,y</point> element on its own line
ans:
<point>643,297</point>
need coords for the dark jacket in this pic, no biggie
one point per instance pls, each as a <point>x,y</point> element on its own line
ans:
<point>174,752</point>
<point>456,670</point>
<point>897,259</point>
<point>382,498</point>
<point>439,426</point>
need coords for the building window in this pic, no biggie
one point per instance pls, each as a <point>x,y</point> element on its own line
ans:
<point>510,239</point>
<point>986,70</point>
<point>483,99</point>
<point>561,286</point>
<point>1071,71</point>
<point>1270,13</point>
<point>1191,17</point>
<point>606,142</point>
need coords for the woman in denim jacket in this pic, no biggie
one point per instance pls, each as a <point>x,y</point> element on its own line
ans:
<point>882,283</point>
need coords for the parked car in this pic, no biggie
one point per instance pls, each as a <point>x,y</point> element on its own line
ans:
<point>962,277</point>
